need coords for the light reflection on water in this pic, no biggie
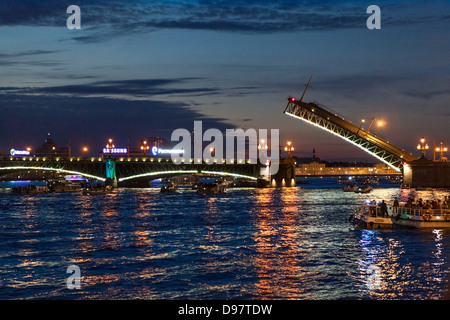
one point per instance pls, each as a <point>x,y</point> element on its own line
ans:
<point>291,243</point>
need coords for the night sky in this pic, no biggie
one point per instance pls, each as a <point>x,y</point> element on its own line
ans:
<point>145,68</point>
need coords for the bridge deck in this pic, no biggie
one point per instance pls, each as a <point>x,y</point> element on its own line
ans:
<point>322,117</point>
<point>132,168</point>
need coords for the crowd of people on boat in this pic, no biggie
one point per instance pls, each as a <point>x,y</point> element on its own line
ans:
<point>26,189</point>
<point>415,203</point>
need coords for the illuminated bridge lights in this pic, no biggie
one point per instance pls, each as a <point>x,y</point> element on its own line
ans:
<point>221,173</point>
<point>149,174</point>
<point>54,169</point>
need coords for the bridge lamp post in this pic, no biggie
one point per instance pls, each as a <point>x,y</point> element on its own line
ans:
<point>212,151</point>
<point>289,148</point>
<point>422,146</point>
<point>360,126</point>
<point>110,144</point>
<point>441,149</point>
<point>145,147</point>
<point>379,124</point>
<point>84,150</point>
<point>262,145</point>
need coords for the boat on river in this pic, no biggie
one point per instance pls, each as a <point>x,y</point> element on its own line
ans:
<point>91,190</point>
<point>421,217</point>
<point>210,188</point>
<point>31,189</point>
<point>350,188</point>
<point>365,188</point>
<point>169,188</point>
<point>370,216</point>
<point>63,185</point>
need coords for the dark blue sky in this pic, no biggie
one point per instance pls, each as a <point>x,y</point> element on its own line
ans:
<point>145,68</point>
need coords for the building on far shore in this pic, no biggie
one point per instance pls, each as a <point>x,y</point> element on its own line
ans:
<point>50,149</point>
<point>321,169</point>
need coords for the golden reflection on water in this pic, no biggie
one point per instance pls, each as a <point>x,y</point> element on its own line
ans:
<point>397,279</point>
<point>285,243</point>
<point>279,255</point>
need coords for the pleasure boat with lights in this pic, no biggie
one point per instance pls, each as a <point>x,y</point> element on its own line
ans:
<point>350,188</point>
<point>169,188</point>
<point>365,188</point>
<point>90,190</point>
<point>64,184</point>
<point>420,217</point>
<point>371,216</point>
<point>209,188</point>
<point>30,189</point>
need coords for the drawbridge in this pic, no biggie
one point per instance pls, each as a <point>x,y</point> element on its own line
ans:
<point>320,116</point>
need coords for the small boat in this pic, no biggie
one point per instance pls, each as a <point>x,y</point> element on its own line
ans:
<point>364,189</point>
<point>97,190</point>
<point>350,188</point>
<point>169,188</point>
<point>370,216</point>
<point>210,188</point>
<point>63,185</point>
<point>31,189</point>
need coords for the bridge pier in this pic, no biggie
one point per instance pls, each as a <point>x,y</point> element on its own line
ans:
<point>111,182</point>
<point>426,173</point>
<point>284,178</point>
<point>111,178</point>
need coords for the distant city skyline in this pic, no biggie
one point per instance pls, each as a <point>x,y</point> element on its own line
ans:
<point>145,68</point>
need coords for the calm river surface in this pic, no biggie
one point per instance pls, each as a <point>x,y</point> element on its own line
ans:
<point>293,243</point>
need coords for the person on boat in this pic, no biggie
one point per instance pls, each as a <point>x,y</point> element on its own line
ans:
<point>396,204</point>
<point>446,204</point>
<point>420,204</point>
<point>434,204</point>
<point>383,208</point>
<point>409,204</point>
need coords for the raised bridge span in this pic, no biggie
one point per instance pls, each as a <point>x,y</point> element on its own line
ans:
<point>332,122</point>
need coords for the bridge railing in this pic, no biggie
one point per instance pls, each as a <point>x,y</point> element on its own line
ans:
<point>339,115</point>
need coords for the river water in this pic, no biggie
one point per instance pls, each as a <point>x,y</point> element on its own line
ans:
<point>293,243</point>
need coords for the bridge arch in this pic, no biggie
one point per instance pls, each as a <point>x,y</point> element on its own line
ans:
<point>158,174</point>
<point>20,168</point>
